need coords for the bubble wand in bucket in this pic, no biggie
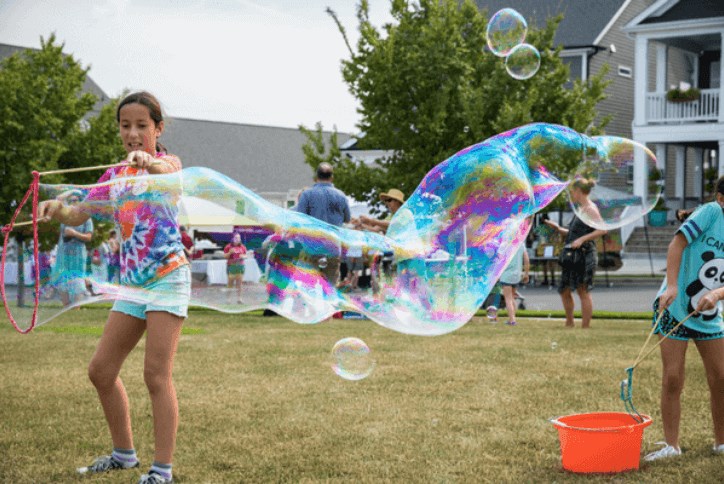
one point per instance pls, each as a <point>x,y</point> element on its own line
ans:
<point>627,384</point>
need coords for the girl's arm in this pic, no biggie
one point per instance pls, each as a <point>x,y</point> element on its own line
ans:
<point>526,267</point>
<point>65,214</point>
<point>556,227</point>
<point>592,236</point>
<point>84,236</point>
<point>673,261</point>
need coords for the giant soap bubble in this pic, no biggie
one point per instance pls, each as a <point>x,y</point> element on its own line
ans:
<point>506,29</point>
<point>444,250</point>
<point>620,195</point>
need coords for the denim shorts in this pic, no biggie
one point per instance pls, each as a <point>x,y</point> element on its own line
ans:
<point>170,294</point>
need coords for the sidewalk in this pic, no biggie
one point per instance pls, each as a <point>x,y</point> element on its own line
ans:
<point>639,265</point>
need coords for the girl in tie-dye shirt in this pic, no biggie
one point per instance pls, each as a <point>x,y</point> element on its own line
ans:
<point>155,275</point>
<point>150,237</point>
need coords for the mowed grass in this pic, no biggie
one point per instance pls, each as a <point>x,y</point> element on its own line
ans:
<point>259,402</point>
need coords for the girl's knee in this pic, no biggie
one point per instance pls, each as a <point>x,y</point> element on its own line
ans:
<point>156,379</point>
<point>100,376</point>
<point>672,383</point>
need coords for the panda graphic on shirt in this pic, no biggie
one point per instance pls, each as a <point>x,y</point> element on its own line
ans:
<point>711,276</point>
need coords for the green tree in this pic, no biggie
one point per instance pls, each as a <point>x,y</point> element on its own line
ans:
<point>427,87</point>
<point>41,107</point>
<point>316,150</point>
<point>96,144</point>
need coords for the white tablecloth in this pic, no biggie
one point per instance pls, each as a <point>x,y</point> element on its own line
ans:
<point>11,273</point>
<point>215,270</point>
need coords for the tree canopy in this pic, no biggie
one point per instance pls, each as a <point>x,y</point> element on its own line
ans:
<point>428,87</point>
<point>43,104</point>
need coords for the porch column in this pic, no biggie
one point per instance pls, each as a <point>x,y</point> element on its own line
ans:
<point>680,151</point>
<point>661,157</point>
<point>661,54</point>
<point>721,93</point>
<point>640,175</point>
<point>698,172</point>
<point>719,154</point>
<point>640,80</point>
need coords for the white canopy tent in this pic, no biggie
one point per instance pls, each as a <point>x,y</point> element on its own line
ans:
<point>209,216</point>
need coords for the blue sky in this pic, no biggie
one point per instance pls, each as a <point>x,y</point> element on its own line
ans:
<point>268,62</point>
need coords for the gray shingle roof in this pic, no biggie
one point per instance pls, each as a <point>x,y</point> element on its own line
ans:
<point>583,20</point>
<point>262,158</point>
<point>689,10</point>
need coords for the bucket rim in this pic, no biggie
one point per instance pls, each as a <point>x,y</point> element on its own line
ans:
<point>562,425</point>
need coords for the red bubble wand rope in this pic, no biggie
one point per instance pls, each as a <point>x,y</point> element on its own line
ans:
<point>33,191</point>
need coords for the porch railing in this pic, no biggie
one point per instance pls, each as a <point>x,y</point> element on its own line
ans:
<point>661,110</point>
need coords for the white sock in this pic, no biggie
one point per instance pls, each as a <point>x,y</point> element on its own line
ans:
<point>127,457</point>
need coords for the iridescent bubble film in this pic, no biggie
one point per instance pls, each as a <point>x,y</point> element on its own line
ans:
<point>443,252</point>
<point>506,29</point>
<point>352,359</point>
<point>522,62</point>
<point>626,183</point>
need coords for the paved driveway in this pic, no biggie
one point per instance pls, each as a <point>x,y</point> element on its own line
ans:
<point>621,296</point>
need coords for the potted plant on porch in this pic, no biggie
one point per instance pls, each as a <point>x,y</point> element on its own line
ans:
<point>683,94</point>
<point>657,216</point>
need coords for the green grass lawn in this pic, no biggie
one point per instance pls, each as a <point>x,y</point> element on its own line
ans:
<point>259,402</point>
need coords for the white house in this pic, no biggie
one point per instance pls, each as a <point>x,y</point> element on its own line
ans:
<point>679,43</point>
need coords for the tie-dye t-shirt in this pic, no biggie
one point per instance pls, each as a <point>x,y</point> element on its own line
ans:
<point>148,223</point>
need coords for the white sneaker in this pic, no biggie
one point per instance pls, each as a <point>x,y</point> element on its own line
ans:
<point>718,449</point>
<point>666,451</point>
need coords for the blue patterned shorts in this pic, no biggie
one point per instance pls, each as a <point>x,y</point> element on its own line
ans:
<point>682,333</point>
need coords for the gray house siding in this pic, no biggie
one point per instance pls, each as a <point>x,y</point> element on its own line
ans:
<point>620,101</point>
<point>584,21</point>
<point>679,68</point>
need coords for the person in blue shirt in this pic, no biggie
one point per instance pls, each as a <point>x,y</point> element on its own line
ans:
<point>694,284</point>
<point>325,202</point>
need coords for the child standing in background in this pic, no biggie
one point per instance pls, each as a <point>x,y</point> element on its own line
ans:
<point>235,253</point>
<point>511,277</point>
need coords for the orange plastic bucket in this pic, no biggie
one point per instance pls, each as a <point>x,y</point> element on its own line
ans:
<point>600,442</point>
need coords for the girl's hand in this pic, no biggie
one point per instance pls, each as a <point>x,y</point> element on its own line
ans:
<point>577,243</point>
<point>48,209</point>
<point>668,297</point>
<point>552,224</point>
<point>525,279</point>
<point>708,301</point>
<point>140,159</point>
